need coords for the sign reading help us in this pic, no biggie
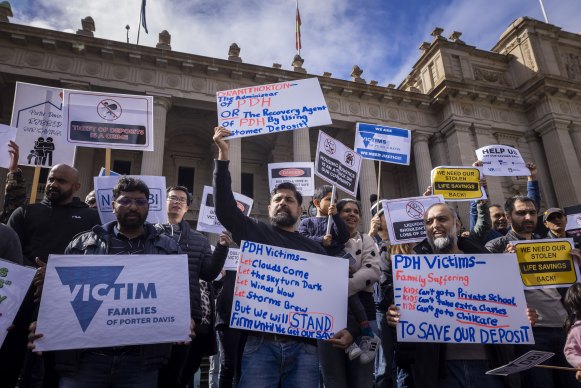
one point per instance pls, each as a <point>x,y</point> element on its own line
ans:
<point>546,263</point>
<point>301,174</point>
<point>458,183</point>
<point>105,120</point>
<point>157,197</point>
<point>386,144</point>
<point>285,106</point>
<point>14,283</point>
<point>289,292</point>
<point>337,164</point>
<point>501,160</point>
<point>405,217</point>
<point>42,135</point>
<point>207,220</point>
<point>97,301</point>
<point>451,298</point>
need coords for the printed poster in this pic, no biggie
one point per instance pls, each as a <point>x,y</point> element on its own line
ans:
<point>96,301</point>
<point>273,108</point>
<point>573,227</point>
<point>386,144</point>
<point>337,164</point>
<point>458,183</point>
<point>501,160</point>
<point>7,134</point>
<point>301,174</point>
<point>207,220</point>
<point>42,135</point>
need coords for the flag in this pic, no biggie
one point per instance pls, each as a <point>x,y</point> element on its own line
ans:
<point>298,29</point>
<point>143,22</point>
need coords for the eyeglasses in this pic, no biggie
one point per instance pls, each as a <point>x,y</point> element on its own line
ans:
<point>177,199</point>
<point>126,202</point>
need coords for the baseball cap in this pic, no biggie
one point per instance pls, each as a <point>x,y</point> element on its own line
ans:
<point>550,211</point>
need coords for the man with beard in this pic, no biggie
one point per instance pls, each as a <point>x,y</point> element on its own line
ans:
<point>44,228</point>
<point>452,365</point>
<point>121,366</point>
<point>521,213</point>
<point>271,360</point>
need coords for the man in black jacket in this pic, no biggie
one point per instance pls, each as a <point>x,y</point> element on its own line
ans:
<point>204,266</point>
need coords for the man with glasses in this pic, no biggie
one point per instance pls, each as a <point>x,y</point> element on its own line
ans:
<point>521,213</point>
<point>204,266</point>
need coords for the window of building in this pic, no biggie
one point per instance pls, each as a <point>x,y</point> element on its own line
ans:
<point>186,177</point>
<point>247,186</point>
<point>122,167</point>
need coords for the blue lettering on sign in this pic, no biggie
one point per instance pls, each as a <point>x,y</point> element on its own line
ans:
<point>90,286</point>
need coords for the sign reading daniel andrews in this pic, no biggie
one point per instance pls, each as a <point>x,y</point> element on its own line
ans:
<point>97,301</point>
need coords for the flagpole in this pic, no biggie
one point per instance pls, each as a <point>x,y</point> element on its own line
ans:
<point>298,30</point>
<point>139,28</point>
<point>542,9</point>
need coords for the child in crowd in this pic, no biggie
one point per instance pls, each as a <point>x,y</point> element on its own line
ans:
<point>572,349</point>
<point>315,228</point>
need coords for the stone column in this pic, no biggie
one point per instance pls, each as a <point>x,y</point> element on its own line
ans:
<point>152,161</point>
<point>484,138</point>
<point>422,160</point>
<point>439,153</point>
<point>367,186</point>
<point>547,192</point>
<point>564,167</point>
<point>301,145</point>
<point>576,137</point>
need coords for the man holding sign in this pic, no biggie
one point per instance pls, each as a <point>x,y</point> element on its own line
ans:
<point>269,359</point>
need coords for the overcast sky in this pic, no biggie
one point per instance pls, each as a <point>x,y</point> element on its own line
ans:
<point>381,36</point>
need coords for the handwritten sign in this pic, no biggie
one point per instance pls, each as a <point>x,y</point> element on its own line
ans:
<point>289,292</point>
<point>405,217</point>
<point>157,197</point>
<point>452,298</point>
<point>386,144</point>
<point>501,160</point>
<point>526,361</point>
<point>95,301</point>
<point>458,183</point>
<point>207,220</point>
<point>105,120</point>
<point>301,174</point>
<point>42,136</point>
<point>337,164</point>
<point>546,263</point>
<point>14,283</point>
<point>285,106</point>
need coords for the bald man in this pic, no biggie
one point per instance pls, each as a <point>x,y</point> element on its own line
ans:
<point>44,228</point>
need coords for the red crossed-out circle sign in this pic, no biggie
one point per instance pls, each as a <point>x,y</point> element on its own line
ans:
<point>415,209</point>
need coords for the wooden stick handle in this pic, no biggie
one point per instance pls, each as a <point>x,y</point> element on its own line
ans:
<point>558,368</point>
<point>34,189</point>
<point>107,161</point>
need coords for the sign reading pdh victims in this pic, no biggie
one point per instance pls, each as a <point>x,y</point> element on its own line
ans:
<point>386,144</point>
<point>337,164</point>
<point>405,217</point>
<point>501,160</point>
<point>95,301</point>
<point>301,174</point>
<point>105,120</point>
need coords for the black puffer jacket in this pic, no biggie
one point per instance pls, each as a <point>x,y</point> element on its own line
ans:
<point>202,263</point>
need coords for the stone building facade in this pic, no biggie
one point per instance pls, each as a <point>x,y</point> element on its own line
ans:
<point>525,92</point>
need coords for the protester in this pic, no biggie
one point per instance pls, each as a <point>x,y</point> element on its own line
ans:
<point>572,348</point>
<point>130,234</point>
<point>91,199</point>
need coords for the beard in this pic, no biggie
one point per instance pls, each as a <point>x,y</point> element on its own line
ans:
<point>55,196</point>
<point>283,219</point>
<point>442,244</point>
<point>130,224</point>
<point>524,227</point>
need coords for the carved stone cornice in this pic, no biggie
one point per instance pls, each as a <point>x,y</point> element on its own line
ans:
<point>163,101</point>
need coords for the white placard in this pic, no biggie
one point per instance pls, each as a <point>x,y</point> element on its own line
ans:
<point>501,160</point>
<point>337,164</point>
<point>157,197</point>
<point>7,134</point>
<point>14,283</point>
<point>95,301</point>
<point>386,144</point>
<point>207,220</point>
<point>231,263</point>
<point>301,174</point>
<point>460,298</point>
<point>42,135</point>
<point>573,227</point>
<point>526,361</point>
<point>405,217</point>
<point>289,292</point>
<point>106,120</point>
<point>273,108</point>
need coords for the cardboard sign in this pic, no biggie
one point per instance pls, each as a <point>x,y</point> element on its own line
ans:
<point>157,197</point>
<point>405,217</point>
<point>573,227</point>
<point>14,283</point>
<point>285,106</point>
<point>301,174</point>
<point>42,135</point>
<point>501,160</point>
<point>546,263</point>
<point>458,183</point>
<point>386,144</point>
<point>95,301</point>
<point>451,298</point>
<point>231,263</point>
<point>526,361</point>
<point>105,120</point>
<point>337,164</point>
<point>103,171</point>
<point>207,220</point>
<point>6,135</point>
<point>289,292</point>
